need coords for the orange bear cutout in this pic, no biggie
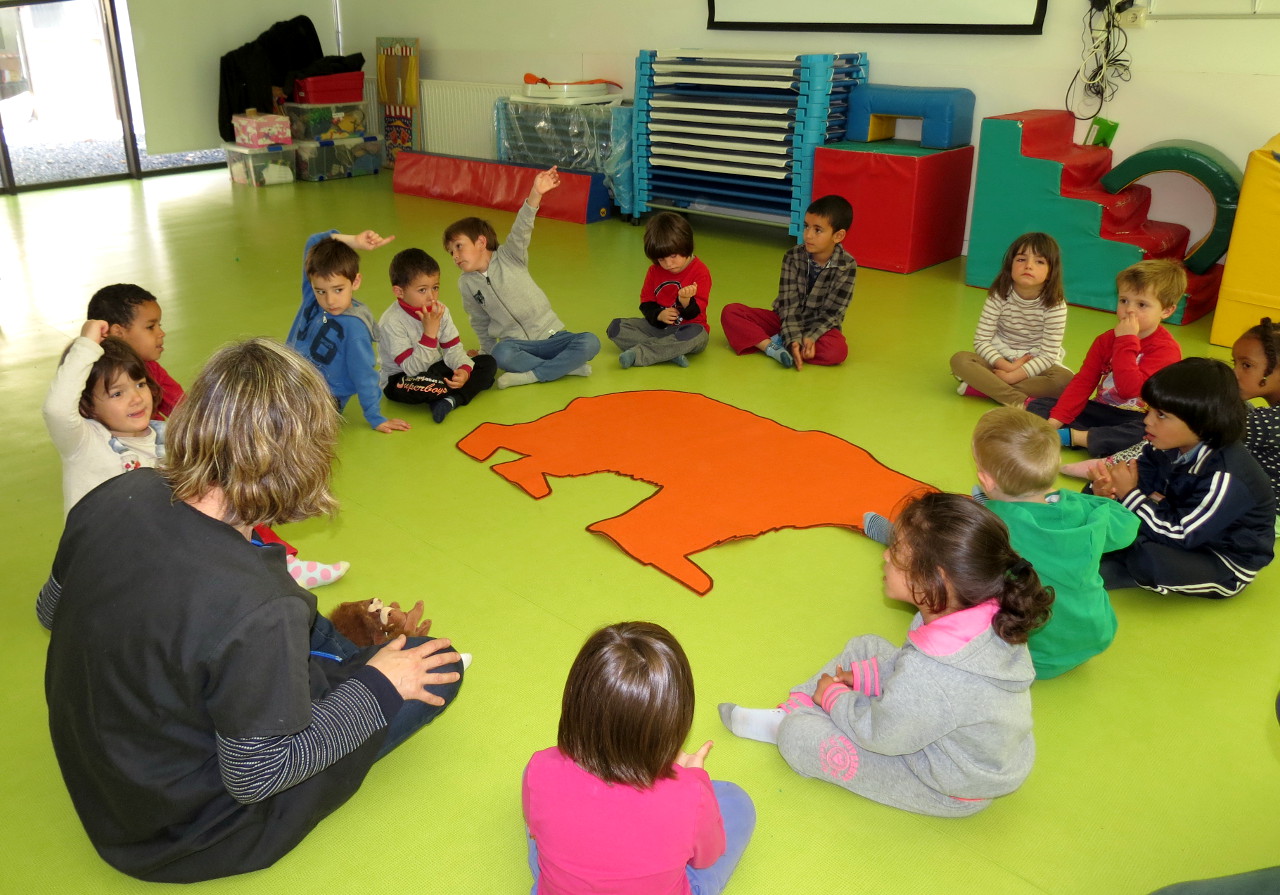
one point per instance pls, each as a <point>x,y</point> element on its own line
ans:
<point>717,468</point>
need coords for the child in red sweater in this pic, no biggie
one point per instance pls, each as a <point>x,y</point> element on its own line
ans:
<point>1119,362</point>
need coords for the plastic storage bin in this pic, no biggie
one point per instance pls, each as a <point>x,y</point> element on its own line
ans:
<point>260,165</point>
<point>332,159</point>
<point>326,121</point>
<point>346,87</point>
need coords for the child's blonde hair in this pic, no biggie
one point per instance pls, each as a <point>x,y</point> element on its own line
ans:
<point>1020,450</point>
<point>628,704</point>
<point>1167,280</point>
<point>260,425</point>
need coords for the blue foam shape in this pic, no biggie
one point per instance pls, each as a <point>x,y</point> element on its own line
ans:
<point>947,112</point>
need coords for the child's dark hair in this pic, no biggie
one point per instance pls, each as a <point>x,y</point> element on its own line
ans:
<point>410,264</point>
<point>1204,394</point>
<point>117,304</point>
<point>666,234</point>
<point>1036,243</point>
<point>1265,333</point>
<point>628,704</point>
<point>333,258</point>
<point>836,209</point>
<point>118,357</point>
<point>472,229</point>
<point>941,539</point>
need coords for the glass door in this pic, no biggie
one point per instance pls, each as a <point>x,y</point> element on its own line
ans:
<point>65,111</point>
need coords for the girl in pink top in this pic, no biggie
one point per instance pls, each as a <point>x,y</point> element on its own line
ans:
<point>617,807</point>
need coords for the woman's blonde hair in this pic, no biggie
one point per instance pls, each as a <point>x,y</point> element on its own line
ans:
<point>259,424</point>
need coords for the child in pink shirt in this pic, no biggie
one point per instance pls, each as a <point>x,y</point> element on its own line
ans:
<point>617,806</point>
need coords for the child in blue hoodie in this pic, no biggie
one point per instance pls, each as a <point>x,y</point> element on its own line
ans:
<point>333,330</point>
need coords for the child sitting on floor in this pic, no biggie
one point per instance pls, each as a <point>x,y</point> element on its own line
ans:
<point>1017,347</point>
<point>1206,508</point>
<point>423,361</point>
<point>509,313</point>
<point>1119,362</point>
<point>333,330</point>
<point>814,291</point>
<point>942,724</point>
<point>133,314</point>
<point>1062,533</point>
<point>617,805</point>
<point>674,299</point>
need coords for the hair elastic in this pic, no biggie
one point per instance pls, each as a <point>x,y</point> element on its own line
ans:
<point>1018,570</point>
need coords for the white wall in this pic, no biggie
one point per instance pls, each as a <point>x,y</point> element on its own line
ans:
<point>1213,81</point>
<point>177,47</point>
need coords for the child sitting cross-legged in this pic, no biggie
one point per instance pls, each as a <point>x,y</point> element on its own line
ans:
<point>423,361</point>
<point>1062,533</point>
<point>814,291</point>
<point>674,299</point>
<point>1206,507</point>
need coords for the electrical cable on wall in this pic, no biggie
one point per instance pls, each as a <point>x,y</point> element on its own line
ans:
<point>1104,60</point>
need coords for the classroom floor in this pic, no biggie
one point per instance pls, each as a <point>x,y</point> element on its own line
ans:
<point>1157,761</point>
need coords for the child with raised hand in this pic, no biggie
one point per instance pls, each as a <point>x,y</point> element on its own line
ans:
<point>1118,363</point>
<point>333,330</point>
<point>1063,534</point>
<point>509,312</point>
<point>617,806</point>
<point>94,414</point>
<point>1017,347</point>
<point>814,291</point>
<point>674,299</point>
<point>133,314</point>
<point>423,361</point>
<point>1206,508</point>
<point>942,724</point>
<point>98,412</point>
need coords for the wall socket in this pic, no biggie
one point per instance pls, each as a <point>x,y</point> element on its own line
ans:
<point>1133,17</point>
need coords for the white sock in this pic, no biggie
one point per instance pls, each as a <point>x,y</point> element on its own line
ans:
<point>584,370</point>
<point>752,724</point>
<point>507,380</point>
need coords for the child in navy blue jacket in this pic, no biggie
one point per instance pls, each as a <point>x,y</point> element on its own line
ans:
<point>1206,508</point>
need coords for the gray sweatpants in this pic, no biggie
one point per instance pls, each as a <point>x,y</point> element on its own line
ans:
<point>656,345</point>
<point>814,746</point>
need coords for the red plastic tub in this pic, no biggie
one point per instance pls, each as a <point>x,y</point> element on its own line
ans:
<point>347,87</point>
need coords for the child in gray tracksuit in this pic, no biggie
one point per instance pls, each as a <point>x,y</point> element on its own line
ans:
<point>508,311</point>
<point>942,724</point>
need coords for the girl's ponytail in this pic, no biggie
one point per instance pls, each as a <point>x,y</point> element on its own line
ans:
<point>1024,604</point>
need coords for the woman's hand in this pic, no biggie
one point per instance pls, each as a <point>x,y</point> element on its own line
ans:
<point>411,670</point>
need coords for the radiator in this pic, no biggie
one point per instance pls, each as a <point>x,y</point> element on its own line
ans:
<point>458,117</point>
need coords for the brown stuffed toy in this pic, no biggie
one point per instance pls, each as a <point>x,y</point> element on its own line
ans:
<point>370,622</point>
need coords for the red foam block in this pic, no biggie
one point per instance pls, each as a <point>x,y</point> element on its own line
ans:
<point>497,185</point>
<point>909,211</point>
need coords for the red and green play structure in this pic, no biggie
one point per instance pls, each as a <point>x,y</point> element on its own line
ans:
<point>1032,176</point>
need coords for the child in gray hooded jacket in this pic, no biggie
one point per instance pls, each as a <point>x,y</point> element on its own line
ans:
<point>942,724</point>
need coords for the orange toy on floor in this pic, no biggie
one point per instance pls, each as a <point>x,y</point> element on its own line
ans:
<point>722,473</point>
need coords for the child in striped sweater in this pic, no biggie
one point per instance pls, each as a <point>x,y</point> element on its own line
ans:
<point>1017,348</point>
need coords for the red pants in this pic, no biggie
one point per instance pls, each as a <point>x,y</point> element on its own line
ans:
<point>745,327</point>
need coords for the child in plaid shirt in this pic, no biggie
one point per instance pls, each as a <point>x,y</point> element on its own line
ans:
<point>813,294</point>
